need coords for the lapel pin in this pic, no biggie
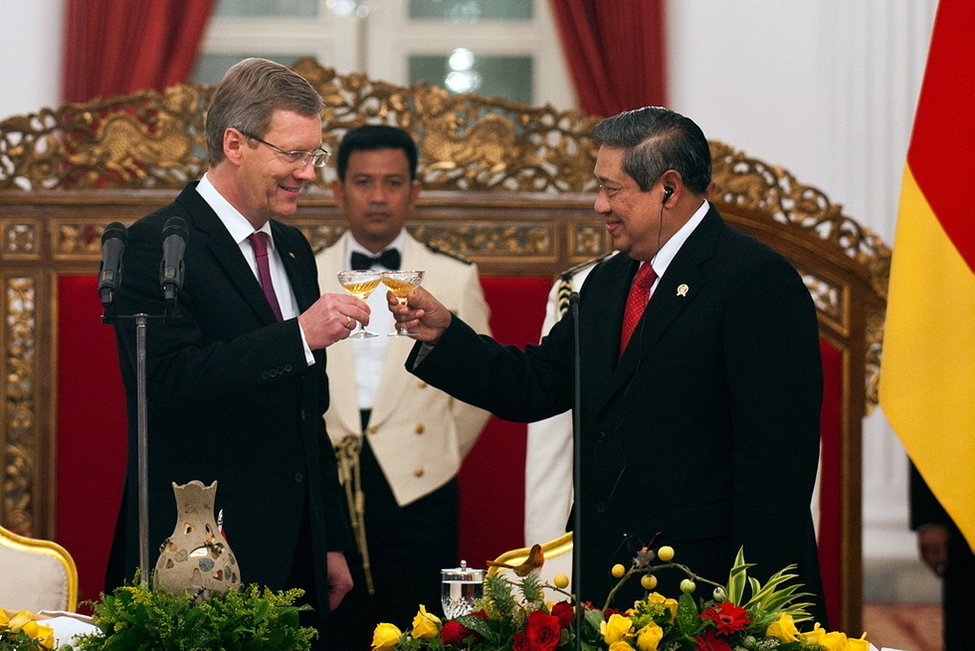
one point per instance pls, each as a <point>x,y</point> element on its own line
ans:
<point>291,255</point>
<point>682,289</point>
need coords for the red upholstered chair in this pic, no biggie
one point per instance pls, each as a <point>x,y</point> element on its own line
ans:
<point>506,185</point>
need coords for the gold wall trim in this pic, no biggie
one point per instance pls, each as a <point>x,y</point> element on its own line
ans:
<point>18,456</point>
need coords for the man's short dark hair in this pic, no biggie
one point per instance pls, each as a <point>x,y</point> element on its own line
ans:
<point>656,140</point>
<point>376,136</point>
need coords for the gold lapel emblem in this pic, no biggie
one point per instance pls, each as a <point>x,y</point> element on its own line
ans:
<point>682,290</point>
<point>291,255</point>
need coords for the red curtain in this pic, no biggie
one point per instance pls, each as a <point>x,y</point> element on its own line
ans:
<point>116,47</point>
<point>615,52</point>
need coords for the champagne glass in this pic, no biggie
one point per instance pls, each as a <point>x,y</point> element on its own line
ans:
<point>360,284</point>
<point>401,283</point>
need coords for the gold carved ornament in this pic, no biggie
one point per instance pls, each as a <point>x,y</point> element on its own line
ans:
<point>467,142</point>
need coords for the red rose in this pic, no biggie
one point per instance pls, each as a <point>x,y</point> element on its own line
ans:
<point>565,613</point>
<point>521,642</point>
<point>454,633</point>
<point>609,612</point>
<point>543,630</point>
<point>727,617</point>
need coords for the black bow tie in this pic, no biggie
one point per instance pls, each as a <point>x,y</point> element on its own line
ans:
<point>388,258</point>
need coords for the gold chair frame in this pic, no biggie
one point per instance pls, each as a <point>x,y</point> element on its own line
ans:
<point>19,543</point>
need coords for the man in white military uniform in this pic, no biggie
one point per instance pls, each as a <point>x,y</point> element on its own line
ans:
<point>400,442</point>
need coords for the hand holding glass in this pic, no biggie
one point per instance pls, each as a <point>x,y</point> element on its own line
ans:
<point>360,284</point>
<point>401,283</point>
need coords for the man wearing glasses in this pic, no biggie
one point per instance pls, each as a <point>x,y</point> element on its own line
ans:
<point>236,386</point>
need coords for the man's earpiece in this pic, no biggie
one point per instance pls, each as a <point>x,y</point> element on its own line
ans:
<point>667,193</point>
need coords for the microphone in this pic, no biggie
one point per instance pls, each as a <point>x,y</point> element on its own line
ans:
<point>174,236</point>
<point>114,240</point>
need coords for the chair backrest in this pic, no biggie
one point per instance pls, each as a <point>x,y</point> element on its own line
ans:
<point>36,574</point>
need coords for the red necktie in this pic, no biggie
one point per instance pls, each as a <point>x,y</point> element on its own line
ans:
<point>636,303</point>
<point>258,242</point>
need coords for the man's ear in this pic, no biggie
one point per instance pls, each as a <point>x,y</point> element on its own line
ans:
<point>414,193</point>
<point>233,144</point>
<point>673,184</point>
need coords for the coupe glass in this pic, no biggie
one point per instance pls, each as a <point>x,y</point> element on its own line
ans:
<point>401,283</point>
<point>360,284</point>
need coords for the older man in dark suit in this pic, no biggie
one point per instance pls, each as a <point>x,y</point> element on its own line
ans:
<point>236,384</point>
<point>700,408</point>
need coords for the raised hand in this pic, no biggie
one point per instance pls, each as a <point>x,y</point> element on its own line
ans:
<point>423,315</point>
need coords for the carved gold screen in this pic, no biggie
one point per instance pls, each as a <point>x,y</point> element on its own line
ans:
<point>507,185</point>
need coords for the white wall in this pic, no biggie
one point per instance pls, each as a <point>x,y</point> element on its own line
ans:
<point>823,88</point>
<point>31,33</point>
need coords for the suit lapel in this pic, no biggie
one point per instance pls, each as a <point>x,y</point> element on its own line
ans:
<point>678,288</point>
<point>289,250</point>
<point>217,239</point>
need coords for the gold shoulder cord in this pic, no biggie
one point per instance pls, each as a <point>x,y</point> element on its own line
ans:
<point>347,454</point>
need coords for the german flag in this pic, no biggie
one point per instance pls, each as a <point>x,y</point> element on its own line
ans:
<point>927,386</point>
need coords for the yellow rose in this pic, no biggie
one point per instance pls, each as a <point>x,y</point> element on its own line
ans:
<point>834,640</point>
<point>814,635</point>
<point>620,646</point>
<point>46,636</point>
<point>386,636</point>
<point>425,625</point>
<point>656,597</point>
<point>4,620</point>
<point>783,628</point>
<point>648,637</point>
<point>20,620</point>
<point>615,629</point>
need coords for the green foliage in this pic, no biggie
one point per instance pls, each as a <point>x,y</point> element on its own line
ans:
<point>19,641</point>
<point>498,598</point>
<point>135,618</point>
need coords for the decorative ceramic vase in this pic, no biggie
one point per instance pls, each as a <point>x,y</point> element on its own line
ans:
<point>196,559</point>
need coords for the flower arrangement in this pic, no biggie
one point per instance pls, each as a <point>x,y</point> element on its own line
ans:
<point>139,617</point>
<point>743,615</point>
<point>21,632</point>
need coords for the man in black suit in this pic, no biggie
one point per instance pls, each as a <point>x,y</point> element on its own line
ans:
<point>705,426</point>
<point>943,548</point>
<point>236,384</point>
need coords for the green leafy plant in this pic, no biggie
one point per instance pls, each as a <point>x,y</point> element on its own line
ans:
<point>136,617</point>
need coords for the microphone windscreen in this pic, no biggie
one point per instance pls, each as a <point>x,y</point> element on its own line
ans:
<point>115,231</point>
<point>175,226</point>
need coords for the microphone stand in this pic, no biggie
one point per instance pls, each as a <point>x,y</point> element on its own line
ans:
<point>141,321</point>
<point>171,282</point>
<point>142,422</point>
<point>576,468</point>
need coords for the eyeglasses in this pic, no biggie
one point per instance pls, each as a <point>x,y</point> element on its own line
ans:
<point>317,158</point>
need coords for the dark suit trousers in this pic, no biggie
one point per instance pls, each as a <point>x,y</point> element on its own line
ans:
<point>408,546</point>
<point>957,601</point>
